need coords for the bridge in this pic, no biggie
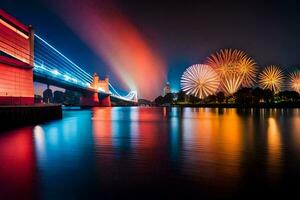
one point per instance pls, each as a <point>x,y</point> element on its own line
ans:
<point>26,57</point>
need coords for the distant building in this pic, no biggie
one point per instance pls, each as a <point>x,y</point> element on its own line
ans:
<point>167,89</point>
<point>48,96</point>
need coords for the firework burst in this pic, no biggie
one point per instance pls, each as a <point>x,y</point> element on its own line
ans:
<point>294,81</point>
<point>271,78</point>
<point>235,69</point>
<point>200,80</point>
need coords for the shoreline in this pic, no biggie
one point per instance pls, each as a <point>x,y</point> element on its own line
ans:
<point>13,116</point>
<point>209,105</point>
<point>258,106</point>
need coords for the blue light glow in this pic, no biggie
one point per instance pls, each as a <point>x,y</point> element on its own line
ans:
<point>49,62</point>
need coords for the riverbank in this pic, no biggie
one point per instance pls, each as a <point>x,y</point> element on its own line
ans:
<point>19,115</point>
<point>234,105</point>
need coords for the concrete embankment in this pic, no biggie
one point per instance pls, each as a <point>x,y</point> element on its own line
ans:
<point>20,115</point>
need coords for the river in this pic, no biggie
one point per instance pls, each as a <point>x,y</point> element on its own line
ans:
<point>132,152</point>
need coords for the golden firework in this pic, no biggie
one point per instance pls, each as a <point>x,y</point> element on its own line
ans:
<point>294,81</point>
<point>200,80</point>
<point>271,78</point>
<point>235,69</point>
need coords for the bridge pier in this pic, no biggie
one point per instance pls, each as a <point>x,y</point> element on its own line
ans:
<point>89,99</point>
<point>95,100</point>
<point>105,101</point>
<point>95,97</point>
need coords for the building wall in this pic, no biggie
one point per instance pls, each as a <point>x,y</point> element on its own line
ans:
<point>16,61</point>
<point>16,85</point>
<point>14,42</point>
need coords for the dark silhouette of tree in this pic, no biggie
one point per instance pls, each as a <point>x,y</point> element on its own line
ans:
<point>220,97</point>
<point>194,100</point>
<point>268,95</point>
<point>159,100</point>
<point>288,95</point>
<point>211,99</point>
<point>294,96</point>
<point>59,97</point>
<point>181,96</point>
<point>168,98</point>
<point>257,94</point>
<point>243,96</point>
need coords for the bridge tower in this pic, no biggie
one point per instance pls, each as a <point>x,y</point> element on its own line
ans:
<point>94,85</point>
<point>103,86</point>
<point>16,61</point>
<point>99,96</point>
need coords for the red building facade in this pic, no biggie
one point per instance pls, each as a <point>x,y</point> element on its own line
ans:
<point>16,61</point>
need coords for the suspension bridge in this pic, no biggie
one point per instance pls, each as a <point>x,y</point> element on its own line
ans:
<point>26,57</point>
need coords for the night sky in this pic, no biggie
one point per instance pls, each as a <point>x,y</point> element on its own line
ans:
<point>177,34</point>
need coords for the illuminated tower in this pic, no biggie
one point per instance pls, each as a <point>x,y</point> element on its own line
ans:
<point>100,95</point>
<point>103,86</point>
<point>166,89</point>
<point>95,86</point>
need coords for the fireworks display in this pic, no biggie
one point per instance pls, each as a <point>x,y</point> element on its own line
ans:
<point>200,80</point>
<point>271,78</point>
<point>228,70</point>
<point>294,81</point>
<point>235,69</point>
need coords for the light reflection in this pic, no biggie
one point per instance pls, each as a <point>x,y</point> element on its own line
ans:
<point>102,127</point>
<point>296,130</point>
<point>17,165</point>
<point>63,150</point>
<point>105,147</point>
<point>274,146</point>
<point>212,143</point>
<point>134,126</point>
<point>122,132</point>
<point>39,139</point>
<point>175,129</point>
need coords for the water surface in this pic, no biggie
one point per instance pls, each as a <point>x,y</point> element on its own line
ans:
<point>154,152</point>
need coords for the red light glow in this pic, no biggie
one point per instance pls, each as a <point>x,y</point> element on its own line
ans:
<point>116,41</point>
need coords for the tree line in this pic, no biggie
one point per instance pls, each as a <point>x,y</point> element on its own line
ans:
<point>244,96</point>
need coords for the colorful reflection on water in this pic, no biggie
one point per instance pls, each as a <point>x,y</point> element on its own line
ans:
<point>123,152</point>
